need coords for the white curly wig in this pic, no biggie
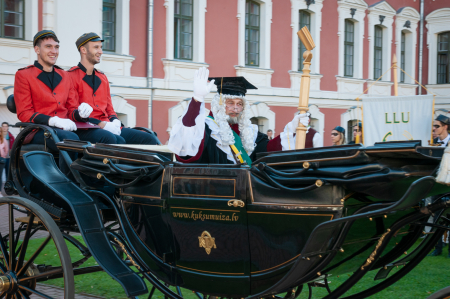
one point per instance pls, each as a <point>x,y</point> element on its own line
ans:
<point>222,119</point>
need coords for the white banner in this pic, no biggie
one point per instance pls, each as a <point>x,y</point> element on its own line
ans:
<point>397,118</point>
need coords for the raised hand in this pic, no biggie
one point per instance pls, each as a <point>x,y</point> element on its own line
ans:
<point>201,86</point>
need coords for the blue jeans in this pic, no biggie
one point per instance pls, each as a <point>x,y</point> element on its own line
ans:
<point>132,136</point>
<point>97,136</point>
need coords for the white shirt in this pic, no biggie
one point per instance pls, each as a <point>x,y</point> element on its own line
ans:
<point>445,141</point>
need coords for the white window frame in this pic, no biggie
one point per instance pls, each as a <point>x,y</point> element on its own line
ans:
<point>436,23</point>
<point>123,27</point>
<point>344,7</point>
<point>315,10</point>
<point>198,46</point>
<point>265,33</point>
<point>403,15</point>
<point>381,8</point>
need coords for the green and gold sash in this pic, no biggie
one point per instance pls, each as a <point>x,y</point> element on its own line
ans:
<point>238,148</point>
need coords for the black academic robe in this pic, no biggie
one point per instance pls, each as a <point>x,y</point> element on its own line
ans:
<point>209,153</point>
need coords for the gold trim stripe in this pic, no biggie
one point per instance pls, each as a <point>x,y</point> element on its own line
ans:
<point>254,212</point>
<point>276,265</point>
<point>317,160</point>
<point>201,209</point>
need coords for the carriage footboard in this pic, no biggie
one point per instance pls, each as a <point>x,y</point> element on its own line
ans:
<point>42,166</point>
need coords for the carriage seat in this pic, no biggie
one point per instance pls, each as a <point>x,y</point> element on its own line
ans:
<point>11,105</point>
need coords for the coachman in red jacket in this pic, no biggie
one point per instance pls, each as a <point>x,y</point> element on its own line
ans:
<point>44,93</point>
<point>92,87</point>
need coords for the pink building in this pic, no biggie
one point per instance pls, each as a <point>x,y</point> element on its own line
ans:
<point>154,46</point>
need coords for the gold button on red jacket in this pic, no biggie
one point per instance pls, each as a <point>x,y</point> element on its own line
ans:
<point>37,99</point>
<point>94,92</point>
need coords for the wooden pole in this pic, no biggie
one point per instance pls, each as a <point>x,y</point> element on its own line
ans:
<point>306,39</point>
<point>394,67</point>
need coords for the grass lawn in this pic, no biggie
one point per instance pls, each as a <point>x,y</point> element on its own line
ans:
<point>429,276</point>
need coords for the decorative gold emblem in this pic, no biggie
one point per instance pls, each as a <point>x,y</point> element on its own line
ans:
<point>207,242</point>
<point>236,203</point>
<point>372,255</point>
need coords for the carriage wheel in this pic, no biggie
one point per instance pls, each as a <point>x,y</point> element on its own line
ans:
<point>20,249</point>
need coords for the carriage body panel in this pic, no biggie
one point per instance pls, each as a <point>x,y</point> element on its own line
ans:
<point>261,228</point>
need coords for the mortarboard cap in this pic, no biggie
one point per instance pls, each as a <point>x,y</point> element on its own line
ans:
<point>443,119</point>
<point>42,34</point>
<point>87,37</point>
<point>340,129</point>
<point>235,86</point>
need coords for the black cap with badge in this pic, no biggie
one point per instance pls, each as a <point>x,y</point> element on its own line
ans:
<point>235,86</point>
<point>443,119</point>
<point>42,34</point>
<point>87,37</point>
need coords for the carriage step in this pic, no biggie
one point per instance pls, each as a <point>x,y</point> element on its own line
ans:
<point>86,212</point>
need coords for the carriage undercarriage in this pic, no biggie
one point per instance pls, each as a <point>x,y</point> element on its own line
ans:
<point>285,224</point>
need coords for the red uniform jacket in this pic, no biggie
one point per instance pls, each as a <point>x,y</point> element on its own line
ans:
<point>96,93</point>
<point>37,99</point>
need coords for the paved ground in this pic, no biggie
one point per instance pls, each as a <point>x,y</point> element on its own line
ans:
<point>53,292</point>
<point>58,293</point>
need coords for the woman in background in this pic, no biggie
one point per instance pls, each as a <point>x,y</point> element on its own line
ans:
<point>338,136</point>
<point>4,150</point>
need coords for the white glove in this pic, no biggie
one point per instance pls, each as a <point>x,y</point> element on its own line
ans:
<point>62,123</point>
<point>117,123</point>
<point>201,86</point>
<point>302,118</point>
<point>111,127</point>
<point>85,110</point>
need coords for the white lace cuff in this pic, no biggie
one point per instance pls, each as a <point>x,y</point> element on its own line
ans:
<point>185,141</point>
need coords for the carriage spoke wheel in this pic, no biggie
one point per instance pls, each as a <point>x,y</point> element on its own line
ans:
<point>21,250</point>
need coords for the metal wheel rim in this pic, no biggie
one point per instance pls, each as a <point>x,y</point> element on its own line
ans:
<point>18,289</point>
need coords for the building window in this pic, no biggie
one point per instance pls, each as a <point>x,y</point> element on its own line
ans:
<point>402,57</point>
<point>184,25</point>
<point>349,48</point>
<point>304,20</point>
<point>443,68</point>
<point>378,52</point>
<point>252,24</point>
<point>109,25</point>
<point>11,18</point>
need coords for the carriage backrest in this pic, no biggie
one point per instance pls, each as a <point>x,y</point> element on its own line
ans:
<point>11,104</point>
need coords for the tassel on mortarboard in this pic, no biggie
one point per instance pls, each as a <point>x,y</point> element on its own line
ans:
<point>220,99</point>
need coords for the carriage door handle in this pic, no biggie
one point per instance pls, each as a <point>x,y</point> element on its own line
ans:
<point>236,203</point>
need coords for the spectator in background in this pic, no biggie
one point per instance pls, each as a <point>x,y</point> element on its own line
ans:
<point>4,149</point>
<point>357,131</point>
<point>10,138</point>
<point>270,134</point>
<point>440,130</point>
<point>338,136</point>
<point>313,138</point>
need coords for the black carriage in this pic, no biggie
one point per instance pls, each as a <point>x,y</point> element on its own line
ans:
<point>291,219</point>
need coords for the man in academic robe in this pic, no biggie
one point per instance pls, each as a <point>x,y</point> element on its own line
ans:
<point>92,87</point>
<point>226,135</point>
